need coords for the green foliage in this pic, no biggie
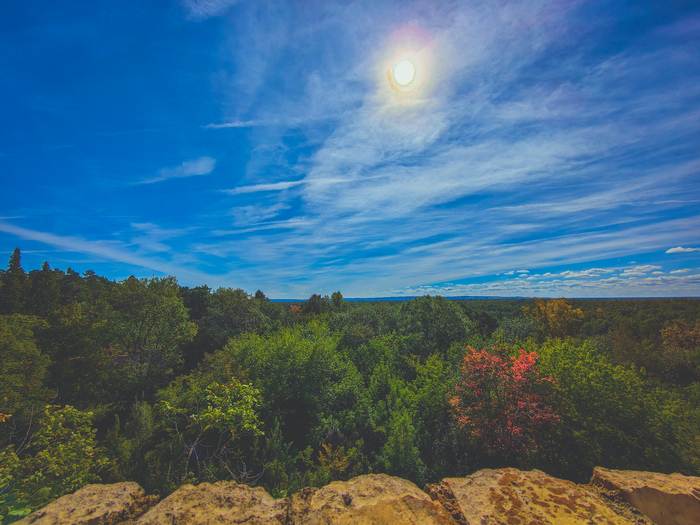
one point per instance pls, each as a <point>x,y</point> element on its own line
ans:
<point>366,319</point>
<point>611,417</point>
<point>13,290</point>
<point>23,372</point>
<point>516,330</point>
<point>293,368</point>
<point>438,321</point>
<point>316,305</point>
<point>81,372</point>
<point>400,454</point>
<point>10,497</point>
<point>142,424</point>
<point>440,450</point>
<point>146,322</point>
<point>44,291</point>
<point>229,408</point>
<point>345,389</point>
<point>338,302</point>
<point>62,457</point>
<point>210,417</point>
<point>330,464</point>
<point>66,455</point>
<point>232,313</point>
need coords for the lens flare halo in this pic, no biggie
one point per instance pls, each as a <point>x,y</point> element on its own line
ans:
<point>407,68</point>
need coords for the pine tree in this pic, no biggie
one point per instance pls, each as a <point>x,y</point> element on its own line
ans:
<point>43,288</point>
<point>12,297</point>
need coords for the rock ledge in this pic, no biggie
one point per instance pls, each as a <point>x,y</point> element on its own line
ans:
<point>488,497</point>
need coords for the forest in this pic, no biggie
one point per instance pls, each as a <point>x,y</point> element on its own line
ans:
<point>146,380</point>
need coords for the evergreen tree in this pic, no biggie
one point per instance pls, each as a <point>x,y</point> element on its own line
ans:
<point>44,290</point>
<point>72,288</point>
<point>14,279</point>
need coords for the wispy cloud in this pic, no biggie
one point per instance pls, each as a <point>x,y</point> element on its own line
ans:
<point>276,186</point>
<point>202,9</point>
<point>680,249</point>
<point>666,286</point>
<point>593,272</point>
<point>150,237</point>
<point>263,123</point>
<point>533,141</point>
<point>110,251</point>
<point>189,168</point>
<point>639,270</point>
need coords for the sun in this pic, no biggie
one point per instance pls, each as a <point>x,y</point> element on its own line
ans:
<point>406,68</point>
<point>404,72</point>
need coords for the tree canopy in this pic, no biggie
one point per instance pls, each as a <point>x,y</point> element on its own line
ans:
<point>147,380</point>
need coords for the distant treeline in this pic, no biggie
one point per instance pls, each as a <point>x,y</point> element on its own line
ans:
<point>149,381</point>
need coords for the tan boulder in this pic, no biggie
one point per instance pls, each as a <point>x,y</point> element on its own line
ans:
<point>220,503</point>
<point>668,499</point>
<point>95,505</point>
<point>365,500</point>
<point>512,497</point>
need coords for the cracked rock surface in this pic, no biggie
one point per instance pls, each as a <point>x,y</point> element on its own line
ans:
<point>509,496</point>
<point>118,503</point>
<point>218,504</point>
<point>370,499</point>
<point>668,499</point>
<point>488,497</point>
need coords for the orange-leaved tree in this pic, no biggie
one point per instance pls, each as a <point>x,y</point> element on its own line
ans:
<point>502,402</point>
<point>556,317</point>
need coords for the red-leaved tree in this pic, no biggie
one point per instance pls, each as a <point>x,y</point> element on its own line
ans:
<point>501,402</point>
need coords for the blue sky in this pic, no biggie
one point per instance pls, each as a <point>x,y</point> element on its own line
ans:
<point>547,148</point>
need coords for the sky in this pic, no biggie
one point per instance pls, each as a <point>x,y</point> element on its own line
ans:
<point>540,148</point>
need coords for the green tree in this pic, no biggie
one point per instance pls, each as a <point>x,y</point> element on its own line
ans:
<point>515,330</point>
<point>400,454</point>
<point>296,370</point>
<point>440,450</point>
<point>81,372</point>
<point>23,373</point>
<point>12,293</point>
<point>44,291</point>
<point>233,312</point>
<point>147,323</point>
<point>62,457</point>
<point>210,418</point>
<point>73,289</point>
<point>610,416</point>
<point>316,305</point>
<point>436,320</point>
<point>337,299</point>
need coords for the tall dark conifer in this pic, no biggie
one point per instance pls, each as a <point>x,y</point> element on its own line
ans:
<point>12,293</point>
<point>44,291</point>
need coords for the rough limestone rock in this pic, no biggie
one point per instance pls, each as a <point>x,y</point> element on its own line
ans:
<point>667,499</point>
<point>95,505</point>
<point>488,497</point>
<point>512,497</point>
<point>224,502</point>
<point>365,500</point>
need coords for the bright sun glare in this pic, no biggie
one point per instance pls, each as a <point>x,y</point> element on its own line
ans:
<point>404,72</point>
